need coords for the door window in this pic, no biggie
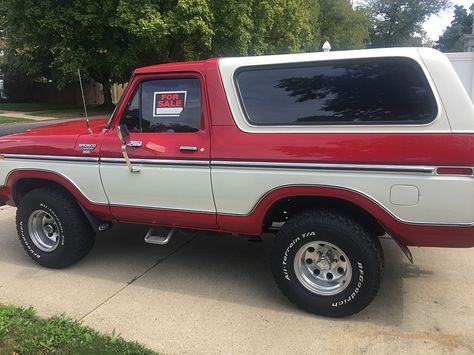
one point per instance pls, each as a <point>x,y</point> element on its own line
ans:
<point>166,105</point>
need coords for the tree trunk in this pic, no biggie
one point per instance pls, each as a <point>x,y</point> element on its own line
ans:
<point>106,91</point>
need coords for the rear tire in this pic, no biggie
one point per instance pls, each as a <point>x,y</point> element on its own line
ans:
<point>327,264</point>
<point>52,228</point>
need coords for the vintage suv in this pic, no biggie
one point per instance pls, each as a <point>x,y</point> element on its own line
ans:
<point>328,151</point>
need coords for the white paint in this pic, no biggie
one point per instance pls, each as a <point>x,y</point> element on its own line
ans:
<point>326,46</point>
<point>84,175</point>
<point>442,199</point>
<point>404,195</point>
<point>454,97</point>
<point>452,101</point>
<point>167,187</point>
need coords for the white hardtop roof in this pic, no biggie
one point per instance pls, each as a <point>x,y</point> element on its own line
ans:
<point>410,52</point>
<point>448,90</point>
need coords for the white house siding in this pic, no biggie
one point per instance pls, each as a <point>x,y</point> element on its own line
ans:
<point>463,64</point>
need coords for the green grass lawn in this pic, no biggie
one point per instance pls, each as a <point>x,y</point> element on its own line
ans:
<point>72,112</point>
<point>23,332</point>
<point>5,119</point>
<point>29,106</point>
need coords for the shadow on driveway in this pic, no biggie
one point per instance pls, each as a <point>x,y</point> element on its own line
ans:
<point>214,293</point>
<point>212,266</point>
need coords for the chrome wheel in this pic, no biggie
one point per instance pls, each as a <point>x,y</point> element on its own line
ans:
<point>44,231</point>
<point>323,268</point>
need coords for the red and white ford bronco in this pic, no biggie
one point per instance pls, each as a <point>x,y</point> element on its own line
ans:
<point>328,151</point>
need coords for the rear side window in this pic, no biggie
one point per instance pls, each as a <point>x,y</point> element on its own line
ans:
<point>165,105</point>
<point>362,91</point>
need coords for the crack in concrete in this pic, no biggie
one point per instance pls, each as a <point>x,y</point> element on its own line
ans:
<point>133,279</point>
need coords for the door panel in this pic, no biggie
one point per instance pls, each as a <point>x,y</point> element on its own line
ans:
<point>172,176</point>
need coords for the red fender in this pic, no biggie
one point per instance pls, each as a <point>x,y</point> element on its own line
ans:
<point>406,233</point>
<point>101,212</point>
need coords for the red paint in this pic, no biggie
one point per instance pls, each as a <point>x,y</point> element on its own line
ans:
<point>70,127</point>
<point>160,145</point>
<point>56,139</point>
<point>5,196</point>
<point>454,171</point>
<point>408,234</point>
<point>219,110</point>
<point>196,66</point>
<point>432,236</point>
<point>100,211</point>
<point>167,218</point>
<point>228,142</point>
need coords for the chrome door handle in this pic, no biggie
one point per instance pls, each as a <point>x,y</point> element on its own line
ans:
<point>186,148</point>
<point>135,144</point>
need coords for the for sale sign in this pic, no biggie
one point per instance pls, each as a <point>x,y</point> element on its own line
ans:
<point>169,103</point>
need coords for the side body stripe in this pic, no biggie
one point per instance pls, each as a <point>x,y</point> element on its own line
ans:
<point>238,186</point>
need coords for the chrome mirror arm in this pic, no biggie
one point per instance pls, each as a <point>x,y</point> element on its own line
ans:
<point>127,159</point>
<point>123,148</point>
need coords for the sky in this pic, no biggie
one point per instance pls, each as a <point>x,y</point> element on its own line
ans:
<point>436,24</point>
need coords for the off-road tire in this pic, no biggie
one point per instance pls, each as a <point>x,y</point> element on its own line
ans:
<point>363,251</point>
<point>77,236</point>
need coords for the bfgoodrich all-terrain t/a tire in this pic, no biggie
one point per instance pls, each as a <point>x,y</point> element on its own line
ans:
<point>326,263</point>
<point>52,228</point>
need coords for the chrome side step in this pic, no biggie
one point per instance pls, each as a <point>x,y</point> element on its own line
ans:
<point>159,239</point>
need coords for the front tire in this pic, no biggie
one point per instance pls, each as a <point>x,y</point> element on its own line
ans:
<point>327,264</point>
<point>52,228</point>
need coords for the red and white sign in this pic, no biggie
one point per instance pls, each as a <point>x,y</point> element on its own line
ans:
<point>169,103</point>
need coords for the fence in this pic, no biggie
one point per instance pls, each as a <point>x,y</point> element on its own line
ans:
<point>463,64</point>
<point>117,91</point>
<point>19,89</point>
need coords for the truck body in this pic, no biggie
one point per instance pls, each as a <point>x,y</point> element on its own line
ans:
<point>383,138</point>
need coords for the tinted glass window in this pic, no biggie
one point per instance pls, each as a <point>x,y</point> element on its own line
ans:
<point>366,91</point>
<point>131,118</point>
<point>168,105</point>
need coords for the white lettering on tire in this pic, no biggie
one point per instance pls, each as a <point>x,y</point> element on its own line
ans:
<point>50,211</point>
<point>287,251</point>
<point>25,241</point>
<point>360,281</point>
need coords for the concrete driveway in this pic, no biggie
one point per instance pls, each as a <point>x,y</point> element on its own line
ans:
<point>211,294</point>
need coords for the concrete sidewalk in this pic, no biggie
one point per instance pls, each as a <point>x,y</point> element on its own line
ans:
<point>214,294</point>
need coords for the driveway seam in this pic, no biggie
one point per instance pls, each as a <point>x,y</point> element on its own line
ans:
<point>135,278</point>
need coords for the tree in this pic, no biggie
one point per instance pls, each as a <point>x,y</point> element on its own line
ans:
<point>450,40</point>
<point>399,22</point>
<point>342,26</point>
<point>51,39</point>
<point>249,27</point>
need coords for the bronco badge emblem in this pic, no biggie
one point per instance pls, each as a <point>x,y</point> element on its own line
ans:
<point>87,148</point>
